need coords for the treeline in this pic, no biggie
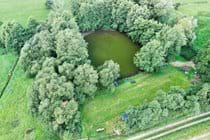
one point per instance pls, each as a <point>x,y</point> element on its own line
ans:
<point>153,24</point>
<point>174,103</point>
<point>14,35</point>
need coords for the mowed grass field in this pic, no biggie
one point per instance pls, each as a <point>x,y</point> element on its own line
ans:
<point>21,10</point>
<point>111,45</point>
<point>105,109</point>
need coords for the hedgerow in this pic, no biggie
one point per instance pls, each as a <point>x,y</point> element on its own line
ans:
<point>163,106</point>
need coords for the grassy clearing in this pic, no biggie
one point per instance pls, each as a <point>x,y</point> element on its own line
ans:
<point>21,10</point>
<point>105,109</point>
<point>107,45</point>
<point>16,119</point>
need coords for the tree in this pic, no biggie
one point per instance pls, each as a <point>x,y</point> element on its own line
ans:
<point>188,24</point>
<point>172,39</point>
<point>108,73</point>
<point>143,116</point>
<point>134,13</point>
<point>49,4</point>
<point>203,64</point>
<point>143,30</point>
<point>175,102</point>
<point>61,20</point>
<point>71,47</point>
<point>31,29</point>
<point>13,35</point>
<point>204,95</point>
<point>192,105</point>
<point>85,79</point>
<point>158,8</point>
<point>35,51</point>
<point>151,57</point>
<point>119,14</point>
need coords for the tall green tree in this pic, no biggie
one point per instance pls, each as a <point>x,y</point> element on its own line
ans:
<point>13,35</point>
<point>151,57</point>
<point>108,73</point>
<point>85,79</point>
<point>203,64</point>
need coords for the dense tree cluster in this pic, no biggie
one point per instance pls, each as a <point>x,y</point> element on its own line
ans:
<point>57,56</point>
<point>146,22</point>
<point>165,105</point>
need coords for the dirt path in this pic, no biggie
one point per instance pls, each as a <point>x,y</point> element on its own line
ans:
<point>180,64</point>
<point>10,74</point>
<point>171,128</point>
<point>205,136</point>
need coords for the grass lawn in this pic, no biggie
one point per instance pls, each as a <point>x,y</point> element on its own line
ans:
<point>105,109</point>
<point>107,45</point>
<point>14,112</point>
<point>6,63</point>
<point>21,10</point>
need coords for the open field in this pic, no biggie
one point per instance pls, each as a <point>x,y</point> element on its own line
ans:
<point>14,112</point>
<point>21,10</point>
<point>6,62</point>
<point>109,45</point>
<point>105,109</point>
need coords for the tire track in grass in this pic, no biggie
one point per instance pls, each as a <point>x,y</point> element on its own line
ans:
<point>10,74</point>
<point>157,133</point>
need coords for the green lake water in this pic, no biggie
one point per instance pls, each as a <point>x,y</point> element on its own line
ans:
<point>107,45</point>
